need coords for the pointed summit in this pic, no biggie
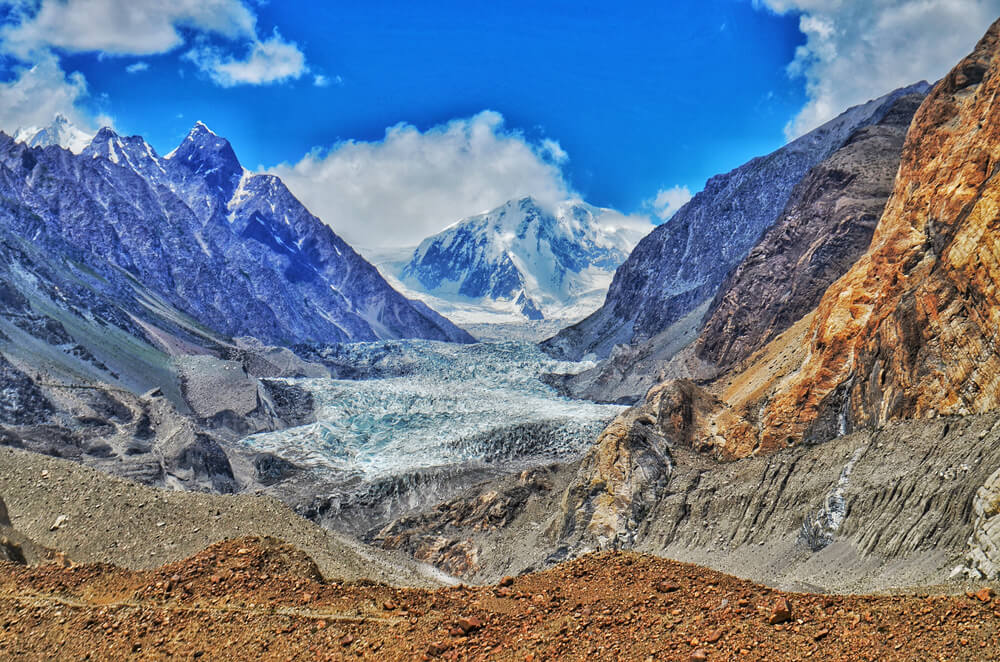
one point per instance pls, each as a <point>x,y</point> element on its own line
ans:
<point>60,132</point>
<point>205,155</point>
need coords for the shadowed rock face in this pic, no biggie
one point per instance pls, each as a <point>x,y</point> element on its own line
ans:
<point>681,264</point>
<point>827,225</point>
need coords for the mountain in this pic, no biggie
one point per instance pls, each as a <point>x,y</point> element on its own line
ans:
<point>680,265</point>
<point>827,225</point>
<point>525,259</point>
<point>138,297</point>
<point>60,132</point>
<point>910,330</point>
<point>235,251</point>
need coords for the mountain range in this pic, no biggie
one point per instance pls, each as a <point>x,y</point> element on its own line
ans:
<point>523,260</point>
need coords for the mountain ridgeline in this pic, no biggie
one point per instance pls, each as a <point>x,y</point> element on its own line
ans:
<point>234,251</point>
<point>681,264</point>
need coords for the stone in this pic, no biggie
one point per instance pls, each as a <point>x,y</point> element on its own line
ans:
<point>781,612</point>
<point>469,624</point>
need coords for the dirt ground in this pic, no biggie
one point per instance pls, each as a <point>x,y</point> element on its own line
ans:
<point>253,599</point>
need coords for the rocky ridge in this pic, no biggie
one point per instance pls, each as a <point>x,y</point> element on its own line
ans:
<point>681,264</point>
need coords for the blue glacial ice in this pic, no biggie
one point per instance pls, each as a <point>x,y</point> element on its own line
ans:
<point>427,404</point>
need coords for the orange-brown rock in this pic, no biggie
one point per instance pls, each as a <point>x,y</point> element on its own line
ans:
<point>781,612</point>
<point>910,330</point>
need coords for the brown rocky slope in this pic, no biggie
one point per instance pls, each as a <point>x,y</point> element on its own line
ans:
<point>910,330</point>
<point>258,599</point>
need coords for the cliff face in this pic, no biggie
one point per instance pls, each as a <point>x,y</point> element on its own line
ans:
<point>680,265</point>
<point>827,225</point>
<point>910,330</point>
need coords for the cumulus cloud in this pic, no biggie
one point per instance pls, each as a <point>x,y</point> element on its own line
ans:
<point>856,51</point>
<point>668,200</point>
<point>412,183</point>
<point>137,67</point>
<point>270,61</point>
<point>123,27</point>
<point>39,92</point>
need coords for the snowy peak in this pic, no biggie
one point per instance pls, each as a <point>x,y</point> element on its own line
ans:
<point>132,151</point>
<point>534,260</point>
<point>61,132</point>
<point>210,158</point>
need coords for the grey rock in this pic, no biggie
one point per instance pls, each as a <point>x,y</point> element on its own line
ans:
<point>682,263</point>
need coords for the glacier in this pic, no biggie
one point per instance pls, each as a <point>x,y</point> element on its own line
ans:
<point>418,405</point>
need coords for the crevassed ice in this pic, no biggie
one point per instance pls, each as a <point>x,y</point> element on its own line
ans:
<point>437,404</point>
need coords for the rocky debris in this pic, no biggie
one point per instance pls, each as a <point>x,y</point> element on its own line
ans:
<point>4,516</point>
<point>256,610</point>
<point>110,520</point>
<point>900,518</point>
<point>21,401</point>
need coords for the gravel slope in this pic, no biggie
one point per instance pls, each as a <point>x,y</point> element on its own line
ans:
<point>111,520</point>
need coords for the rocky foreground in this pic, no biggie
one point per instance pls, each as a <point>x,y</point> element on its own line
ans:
<point>258,598</point>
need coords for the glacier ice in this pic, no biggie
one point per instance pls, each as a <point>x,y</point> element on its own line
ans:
<point>428,404</point>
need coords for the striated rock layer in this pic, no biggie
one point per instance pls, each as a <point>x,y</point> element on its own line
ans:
<point>910,330</point>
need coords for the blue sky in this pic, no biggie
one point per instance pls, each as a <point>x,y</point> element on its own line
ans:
<point>638,98</point>
<point>613,102</point>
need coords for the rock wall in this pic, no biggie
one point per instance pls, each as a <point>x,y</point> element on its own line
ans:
<point>827,225</point>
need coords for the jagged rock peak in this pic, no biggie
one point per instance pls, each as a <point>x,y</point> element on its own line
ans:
<point>208,156</point>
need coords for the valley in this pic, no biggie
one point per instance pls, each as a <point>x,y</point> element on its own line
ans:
<point>766,427</point>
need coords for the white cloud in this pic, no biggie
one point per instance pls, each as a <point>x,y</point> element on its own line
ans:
<point>411,184</point>
<point>856,51</point>
<point>137,67</point>
<point>270,61</point>
<point>122,27</point>
<point>669,200</point>
<point>41,91</point>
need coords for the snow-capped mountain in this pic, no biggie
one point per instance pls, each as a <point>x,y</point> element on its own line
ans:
<point>523,260</point>
<point>194,231</point>
<point>60,132</point>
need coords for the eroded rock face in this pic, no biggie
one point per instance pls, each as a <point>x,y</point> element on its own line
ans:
<point>910,330</point>
<point>827,225</point>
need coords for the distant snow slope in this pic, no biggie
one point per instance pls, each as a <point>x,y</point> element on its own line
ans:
<point>520,261</point>
<point>61,132</point>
